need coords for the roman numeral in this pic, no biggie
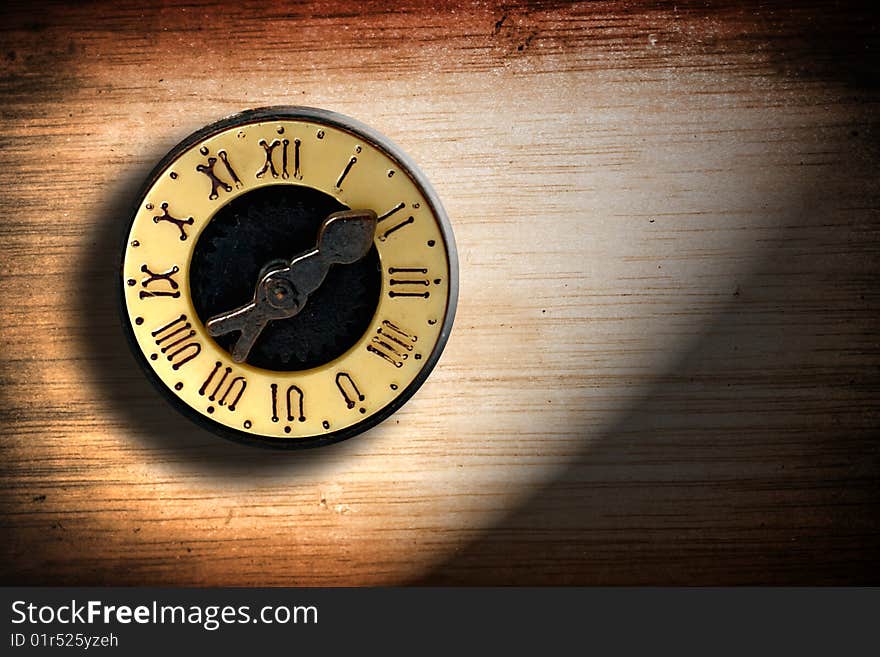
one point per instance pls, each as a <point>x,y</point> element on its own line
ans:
<point>165,216</point>
<point>269,165</point>
<point>297,144</point>
<point>165,279</point>
<point>175,341</point>
<point>232,389</point>
<point>394,224</point>
<point>294,398</point>
<point>397,208</point>
<point>407,282</point>
<point>345,171</point>
<point>217,183</point>
<point>392,344</point>
<point>349,391</point>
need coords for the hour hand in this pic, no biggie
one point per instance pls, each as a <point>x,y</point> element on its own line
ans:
<point>245,319</point>
<point>274,298</point>
<point>234,320</point>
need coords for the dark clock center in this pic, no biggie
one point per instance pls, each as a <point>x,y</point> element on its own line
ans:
<point>276,223</point>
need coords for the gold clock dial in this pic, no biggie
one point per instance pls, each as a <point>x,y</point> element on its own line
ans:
<point>262,199</point>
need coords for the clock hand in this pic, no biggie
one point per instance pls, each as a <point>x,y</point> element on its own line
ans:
<point>283,289</point>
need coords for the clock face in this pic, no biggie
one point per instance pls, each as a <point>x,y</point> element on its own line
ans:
<point>289,278</point>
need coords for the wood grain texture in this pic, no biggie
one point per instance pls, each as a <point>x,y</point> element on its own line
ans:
<point>665,363</point>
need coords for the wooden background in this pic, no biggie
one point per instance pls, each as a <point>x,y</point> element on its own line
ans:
<point>665,367</point>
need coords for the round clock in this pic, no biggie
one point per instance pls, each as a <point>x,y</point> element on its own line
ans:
<point>289,277</point>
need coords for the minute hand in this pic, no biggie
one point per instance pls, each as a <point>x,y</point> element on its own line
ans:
<point>282,292</point>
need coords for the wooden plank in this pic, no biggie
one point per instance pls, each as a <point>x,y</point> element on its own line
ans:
<point>665,363</point>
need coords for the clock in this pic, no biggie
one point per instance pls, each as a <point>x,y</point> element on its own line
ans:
<point>289,277</point>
